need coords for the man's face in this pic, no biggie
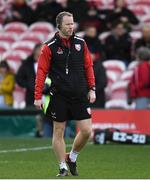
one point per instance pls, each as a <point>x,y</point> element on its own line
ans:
<point>67,26</point>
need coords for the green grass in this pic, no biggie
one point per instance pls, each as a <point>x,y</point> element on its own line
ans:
<point>95,161</point>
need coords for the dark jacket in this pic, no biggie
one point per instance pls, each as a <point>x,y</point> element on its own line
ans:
<point>69,65</point>
<point>95,46</point>
<point>101,83</point>
<point>67,68</point>
<point>25,78</point>
<point>26,13</point>
<point>115,16</point>
<point>118,47</point>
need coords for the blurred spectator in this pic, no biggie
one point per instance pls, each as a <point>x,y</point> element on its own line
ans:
<point>118,43</point>
<point>91,19</point>
<point>94,43</point>
<point>139,86</point>
<point>122,13</point>
<point>20,11</point>
<point>145,40</point>
<point>101,83</point>
<point>3,11</point>
<point>25,76</point>
<point>82,7</point>
<point>6,85</point>
<point>95,47</point>
<point>47,11</point>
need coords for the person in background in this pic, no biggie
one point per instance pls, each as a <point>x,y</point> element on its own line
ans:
<point>20,11</point>
<point>139,86</point>
<point>25,78</point>
<point>118,44</point>
<point>97,54</point>
<point>67,60</point>
<point>101,83</point>
<point>91,19</point>
<point>94,44</point>
<point>123,14</point>
<point>6,85</point>
<point>47,11</point>
<point>144,41</point>
<point>26,74</point>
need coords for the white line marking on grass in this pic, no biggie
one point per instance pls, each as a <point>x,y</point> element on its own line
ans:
<point>30,149</point>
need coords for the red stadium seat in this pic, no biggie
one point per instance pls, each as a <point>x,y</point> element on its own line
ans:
<point>25,46</point>
<point>111,79</point>
<point>116,66</point>
<point>8,37</point>
<point>16,27</point>
<point>119,90</point>
<point>43,27</point>
<point>4,47</point>
<point>126,76</point>
<point>33,37</point>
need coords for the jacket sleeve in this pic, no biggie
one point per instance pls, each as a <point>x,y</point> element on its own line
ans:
<point>88,65</point>
<point>44,64</point>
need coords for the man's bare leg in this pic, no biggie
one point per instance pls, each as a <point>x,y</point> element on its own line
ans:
<point>83,135</point>
<point>59,146</point>
<point>79,142</point>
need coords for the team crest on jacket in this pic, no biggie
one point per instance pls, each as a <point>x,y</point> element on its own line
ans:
<point>78,47</point>
<point>59,51</point>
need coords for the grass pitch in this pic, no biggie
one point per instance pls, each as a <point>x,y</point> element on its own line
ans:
<point>34,158</point>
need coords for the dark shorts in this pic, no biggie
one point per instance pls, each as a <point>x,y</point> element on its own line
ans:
<point>62,108</point>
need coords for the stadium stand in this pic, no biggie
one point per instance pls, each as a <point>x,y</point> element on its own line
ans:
<point>24,46</point>
<point>117,66</point>
<point>14,58</point>
<point>4,47</point>
<point>16,27</point>
<point>8,37</point>
<point>32,37</point>
<point>42,27</point>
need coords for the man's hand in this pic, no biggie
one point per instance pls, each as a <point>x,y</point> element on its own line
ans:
<point>38,104</point>
<point>91,96</point>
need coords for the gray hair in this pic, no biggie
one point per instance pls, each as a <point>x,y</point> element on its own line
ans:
<point>143,53</point>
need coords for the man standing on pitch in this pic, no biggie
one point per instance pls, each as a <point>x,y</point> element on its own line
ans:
<point>66,60</point>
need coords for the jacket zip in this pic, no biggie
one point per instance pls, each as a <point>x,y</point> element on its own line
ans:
<point>67,61</point>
